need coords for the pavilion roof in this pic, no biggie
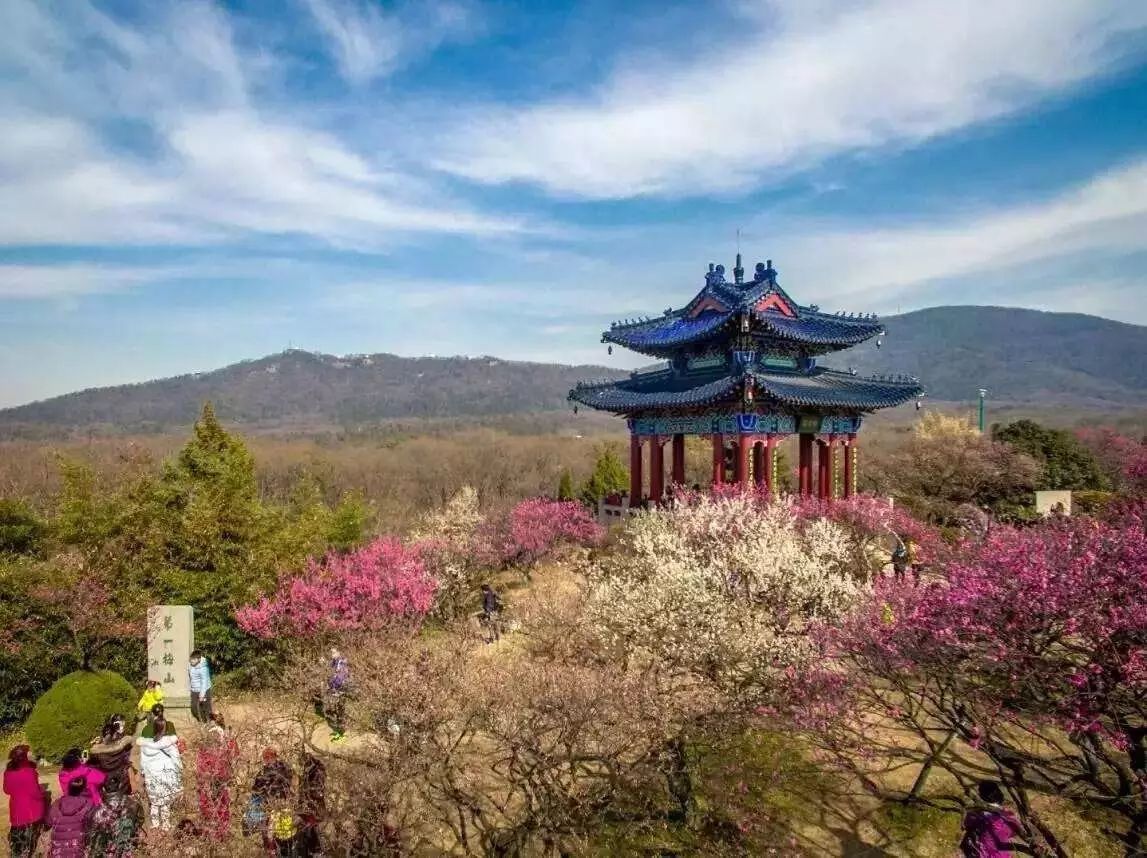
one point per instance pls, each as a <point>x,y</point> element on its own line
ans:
<point>821,388</point>
<point>714,311</point>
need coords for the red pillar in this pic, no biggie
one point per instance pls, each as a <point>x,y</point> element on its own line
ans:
<point>850,454</point>
<point>758,462</point>
<point>770,464</point>
<point>656,469</point>
<point>679,459</point>
<point>742,460</point>
<point>718,459</point>
<point>822,469</point>
<point>634,471</point>
<point>804,467</point>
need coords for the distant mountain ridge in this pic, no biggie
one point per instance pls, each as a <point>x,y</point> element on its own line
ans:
<point>1021,356</point>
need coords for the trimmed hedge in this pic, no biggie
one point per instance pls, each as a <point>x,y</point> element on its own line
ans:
<point>73,711</point>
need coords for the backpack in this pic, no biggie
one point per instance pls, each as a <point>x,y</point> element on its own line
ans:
<point>283,825</point>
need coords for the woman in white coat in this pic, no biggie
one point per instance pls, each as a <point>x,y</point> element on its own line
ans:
<point>162,767</point>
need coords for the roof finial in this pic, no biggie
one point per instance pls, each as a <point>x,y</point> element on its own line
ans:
<point>738,271</point>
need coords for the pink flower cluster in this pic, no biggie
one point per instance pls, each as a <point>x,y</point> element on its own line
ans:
<point>534,528</point>
<point>1043,621</point>
<point>1125,459</point>
<point>390,581</point>
<point>368,588</point>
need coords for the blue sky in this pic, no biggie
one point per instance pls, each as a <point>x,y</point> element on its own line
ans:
<point>186,184</point>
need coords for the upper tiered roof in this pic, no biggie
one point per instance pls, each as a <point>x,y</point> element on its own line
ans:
<point>715,313</point>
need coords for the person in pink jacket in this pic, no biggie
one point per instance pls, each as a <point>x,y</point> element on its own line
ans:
<point>26,803</point>
<point>991,830</point>
<point>72,767</point>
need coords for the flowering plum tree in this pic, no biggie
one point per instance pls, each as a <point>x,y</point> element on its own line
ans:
<point>369,588</point>
<point>534,528</point>
<point>1123,459</point>
<point>723,588</point>
<point>1034,652</point>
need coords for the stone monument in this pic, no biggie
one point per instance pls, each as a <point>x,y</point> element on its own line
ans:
<point>170,640</point>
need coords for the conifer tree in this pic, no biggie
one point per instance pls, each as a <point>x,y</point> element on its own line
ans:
<point>565,486</point>
<point>609,476</point>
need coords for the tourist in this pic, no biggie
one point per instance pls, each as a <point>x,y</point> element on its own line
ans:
<point>214,770</point>
<point>162,765</point>
<point>27,802</point>
<point>111,755</point>
<point>899,559</point>
<point>199,682</point>
<point>271,795</point>
<point>334,703</point>
<point>990,829</point>
<point>312,805</point>
<point>151,697</point>
<point>70,819</point>
<point>116,825</point>
<point>72,767</point>
<point>491,613</point>
<point>913,552</point>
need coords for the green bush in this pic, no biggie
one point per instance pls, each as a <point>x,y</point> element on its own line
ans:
<point>74,709</point>
<point>1090,503</point>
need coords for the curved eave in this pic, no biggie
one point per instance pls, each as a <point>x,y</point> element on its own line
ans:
<point>660,337</point>
<point>818,330</point>
<point>832,389</point>
<point>629,396</point>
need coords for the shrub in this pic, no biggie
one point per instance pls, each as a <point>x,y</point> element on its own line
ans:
<point>74,710</point>
<point>1091,503</point>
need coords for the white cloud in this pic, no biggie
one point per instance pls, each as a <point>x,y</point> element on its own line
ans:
<point>868,268</point>
<point>368,43</point>
<point>161,132</point>
<point>69,280</point>
<point>795,89</point>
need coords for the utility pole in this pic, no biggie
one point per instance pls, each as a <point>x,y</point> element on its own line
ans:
<point>983,393</point>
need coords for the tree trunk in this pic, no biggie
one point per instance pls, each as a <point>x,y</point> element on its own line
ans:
<point>679,779</point>
<point>926,769</point>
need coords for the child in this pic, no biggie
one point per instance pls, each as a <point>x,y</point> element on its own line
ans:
<point>152,695</point>
<point>70,819</point>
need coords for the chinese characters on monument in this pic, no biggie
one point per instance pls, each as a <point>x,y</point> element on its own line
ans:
<point>170,640</point>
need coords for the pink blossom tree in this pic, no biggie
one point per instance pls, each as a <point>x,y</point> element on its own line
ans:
<point>1033,651</point>
<point>380,584</point>
<point>534,528</point>
<point>1123,458</point>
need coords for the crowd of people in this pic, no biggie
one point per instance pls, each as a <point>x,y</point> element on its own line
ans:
<point>101,810</point>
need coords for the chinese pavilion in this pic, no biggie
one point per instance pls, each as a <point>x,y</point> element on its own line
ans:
<point>741,368</point>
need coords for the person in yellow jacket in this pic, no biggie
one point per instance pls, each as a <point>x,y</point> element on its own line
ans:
<point>152,695</point>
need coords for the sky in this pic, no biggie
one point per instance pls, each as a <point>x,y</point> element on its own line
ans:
<point>187,184</point>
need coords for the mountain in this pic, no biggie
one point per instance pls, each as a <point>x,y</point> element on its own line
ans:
<point>303,388</point>
<point>1020,356</point>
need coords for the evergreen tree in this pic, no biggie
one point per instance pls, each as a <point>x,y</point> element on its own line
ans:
<point>1066,463</point>
<point>609,476</point>
<point>565,486</point>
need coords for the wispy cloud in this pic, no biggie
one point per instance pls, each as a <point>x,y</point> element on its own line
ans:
<point>1103,218</point>
<point>70,280</point>
<point>163,132</point>
<point>368,42</point>
<point>797,88</point>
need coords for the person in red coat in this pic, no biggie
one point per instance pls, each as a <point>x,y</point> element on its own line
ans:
<point>214,771</point>
<point>27,802</point>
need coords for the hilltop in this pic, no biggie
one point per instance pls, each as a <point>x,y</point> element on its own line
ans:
<point>1020,356</point>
